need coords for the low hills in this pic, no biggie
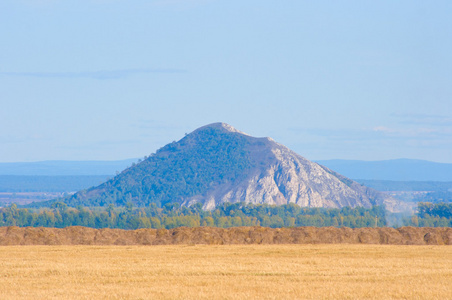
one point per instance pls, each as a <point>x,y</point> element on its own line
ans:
<point>217,163</point>
<point>64,168</point>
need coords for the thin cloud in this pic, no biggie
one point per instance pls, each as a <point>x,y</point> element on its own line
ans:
<point>379,133</point>
<point>418,132</point>
<point>184,3</point>
<point>339,134</point>
<point>10,139</point>
<point>424,119</point>
<point>100,144</point>
<point>384,129</point>
<point>99,75</point>
<point>155,125</point>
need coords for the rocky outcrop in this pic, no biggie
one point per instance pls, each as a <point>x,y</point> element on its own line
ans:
<point>281,176</point>
<point>219,236</point>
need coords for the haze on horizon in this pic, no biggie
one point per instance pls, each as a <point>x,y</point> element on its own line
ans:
<point>114,79</point>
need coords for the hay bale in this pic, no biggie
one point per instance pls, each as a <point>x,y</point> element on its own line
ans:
<point>78,235</point>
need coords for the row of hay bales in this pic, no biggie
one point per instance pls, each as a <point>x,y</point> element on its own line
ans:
<point>77,235</point>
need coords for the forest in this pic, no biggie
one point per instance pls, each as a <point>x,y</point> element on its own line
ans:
<point>431,215</point>
<point>173,215</point>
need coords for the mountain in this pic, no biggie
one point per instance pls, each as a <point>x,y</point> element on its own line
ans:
<point>395,169</point>
<point>217,163</point>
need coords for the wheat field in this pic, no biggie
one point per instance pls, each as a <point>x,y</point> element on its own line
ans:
<point>226,272</point>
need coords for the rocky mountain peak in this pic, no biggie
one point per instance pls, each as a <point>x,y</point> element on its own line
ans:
<point>219,126</point>
<point>217,163</point>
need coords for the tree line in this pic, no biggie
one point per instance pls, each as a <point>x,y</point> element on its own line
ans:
<point>173,215</point>
<point>431,215</point>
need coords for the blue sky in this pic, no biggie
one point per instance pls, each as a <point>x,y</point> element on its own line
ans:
<point>116,79</point>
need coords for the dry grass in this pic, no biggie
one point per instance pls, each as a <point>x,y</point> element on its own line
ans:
<point>226,272</point>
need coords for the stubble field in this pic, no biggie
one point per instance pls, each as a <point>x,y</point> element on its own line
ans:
<point>336,271</point>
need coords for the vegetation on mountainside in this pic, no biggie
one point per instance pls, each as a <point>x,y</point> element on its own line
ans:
<point>431,215</point>
<point>413,191</point>
<point>179,170</point>
<point>434,197</point>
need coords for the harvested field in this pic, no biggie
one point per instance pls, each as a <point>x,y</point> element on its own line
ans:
<point>218,236</point>
<point>335,271</point>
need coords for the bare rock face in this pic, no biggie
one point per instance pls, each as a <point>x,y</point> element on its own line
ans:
<point>218,163</point>
<point>280,176</point>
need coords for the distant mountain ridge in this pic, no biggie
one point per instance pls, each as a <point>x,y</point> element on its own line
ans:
<point>395,170</point>
<point>390,170</point>
<point>27,183</point>
<point>217,163</point>
<point>64,168</point>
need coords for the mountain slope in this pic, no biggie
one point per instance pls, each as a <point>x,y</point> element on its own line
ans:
<point>217,163</point>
